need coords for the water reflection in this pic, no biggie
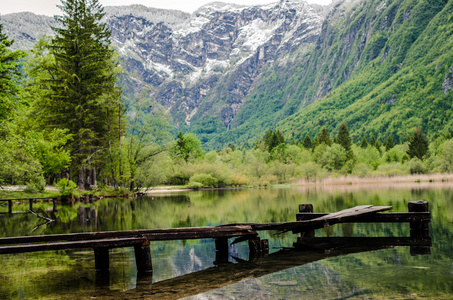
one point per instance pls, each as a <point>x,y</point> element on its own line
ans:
<point>70,274</point>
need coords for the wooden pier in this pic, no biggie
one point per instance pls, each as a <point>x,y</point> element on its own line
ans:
<point>306,223</point>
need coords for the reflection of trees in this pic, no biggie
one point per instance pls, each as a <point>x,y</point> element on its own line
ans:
<point>251,205</point>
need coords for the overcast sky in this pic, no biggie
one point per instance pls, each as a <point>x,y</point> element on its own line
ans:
<point>48,7</point>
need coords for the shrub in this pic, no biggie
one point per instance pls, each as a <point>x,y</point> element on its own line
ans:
<point>239,179</point>
<point>391,169</point>
<point>205,179</point>
<point>416,166</point>
<point>194,185</point>
<point>311,171</point>
<point>36,184</point>
<point>362,170</point>
<point>66,187</point>
<point>267,180</point>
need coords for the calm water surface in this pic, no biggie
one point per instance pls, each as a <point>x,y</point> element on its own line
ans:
<point>187,268</point>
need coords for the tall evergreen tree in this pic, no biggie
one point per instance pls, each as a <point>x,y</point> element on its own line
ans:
<point>273,138</point>
<point>324,137</point>
<point>307,142</point>
<point>418,145</point>
<point>388,143</point>
<point>373,140</point>
<point>364,143</point>
<point>9,76</point>
<point>344,140</point>
<point>84,99</point>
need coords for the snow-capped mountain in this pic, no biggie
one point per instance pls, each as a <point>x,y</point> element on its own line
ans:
<point>208,62</point>
<point>200,64</point>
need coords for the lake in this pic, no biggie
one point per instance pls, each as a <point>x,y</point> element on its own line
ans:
<point>188,268</point>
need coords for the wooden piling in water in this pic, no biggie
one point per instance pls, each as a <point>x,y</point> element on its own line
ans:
<point>10,206</point>
<point>419,229</point>
<point>143,258</point>
<point>101,259</point>
<point>306,208</point>
<point>221,251</point>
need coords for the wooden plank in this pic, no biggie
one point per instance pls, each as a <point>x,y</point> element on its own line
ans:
<point>151,234</point>
<point>106,243</point>
<point>376,218</point>
<point>353,212</point>
<point>323,221</point>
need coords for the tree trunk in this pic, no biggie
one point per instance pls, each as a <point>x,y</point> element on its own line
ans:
<point>81,179</point>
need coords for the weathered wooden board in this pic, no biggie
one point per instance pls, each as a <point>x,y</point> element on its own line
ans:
<point>378,218</point>
<point>346,215</point>
<point>353,213</point>
<point>150,234</point>
<point>106,243</point>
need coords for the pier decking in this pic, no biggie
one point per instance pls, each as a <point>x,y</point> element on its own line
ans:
<point>307,222</point>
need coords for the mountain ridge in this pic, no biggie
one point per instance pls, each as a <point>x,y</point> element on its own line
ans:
<point>228,73</point>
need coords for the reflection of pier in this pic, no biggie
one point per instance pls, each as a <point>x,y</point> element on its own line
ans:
<point>55,200</point>
<point>418,217</point>
<point>224,274</point>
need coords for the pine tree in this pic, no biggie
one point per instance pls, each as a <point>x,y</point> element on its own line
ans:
<point>307,142</point>
<point>344,140</point>
<point>324,137</point>
<point>84,99</point>
<point>418,145</point>
<point>388,143</point>
<point>273,138</point>
<point>373,140</point>
<point>364,143</point>
<point>9,76</point>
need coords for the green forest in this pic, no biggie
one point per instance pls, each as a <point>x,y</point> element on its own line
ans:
<point>65,121</point>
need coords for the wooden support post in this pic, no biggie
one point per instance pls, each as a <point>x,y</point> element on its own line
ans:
<point>221,251</point>
<point>254,247</point>
<point>30,201</point>
<point>101,259</point>
<point>419,230</point>
<point>265,248</point>
<point>306,208</point>
<point>143,258</point>
<point>10,206</point>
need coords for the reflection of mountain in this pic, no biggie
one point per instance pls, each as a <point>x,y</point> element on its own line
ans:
<point>386,274</point>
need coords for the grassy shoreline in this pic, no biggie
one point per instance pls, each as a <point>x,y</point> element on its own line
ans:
<point>340,182</point>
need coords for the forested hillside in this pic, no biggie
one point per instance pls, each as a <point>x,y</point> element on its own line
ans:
<point>385,69</point>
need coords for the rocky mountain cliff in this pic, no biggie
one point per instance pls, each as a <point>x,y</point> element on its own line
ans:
<point>206,65</point>
<point>228,72</point>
